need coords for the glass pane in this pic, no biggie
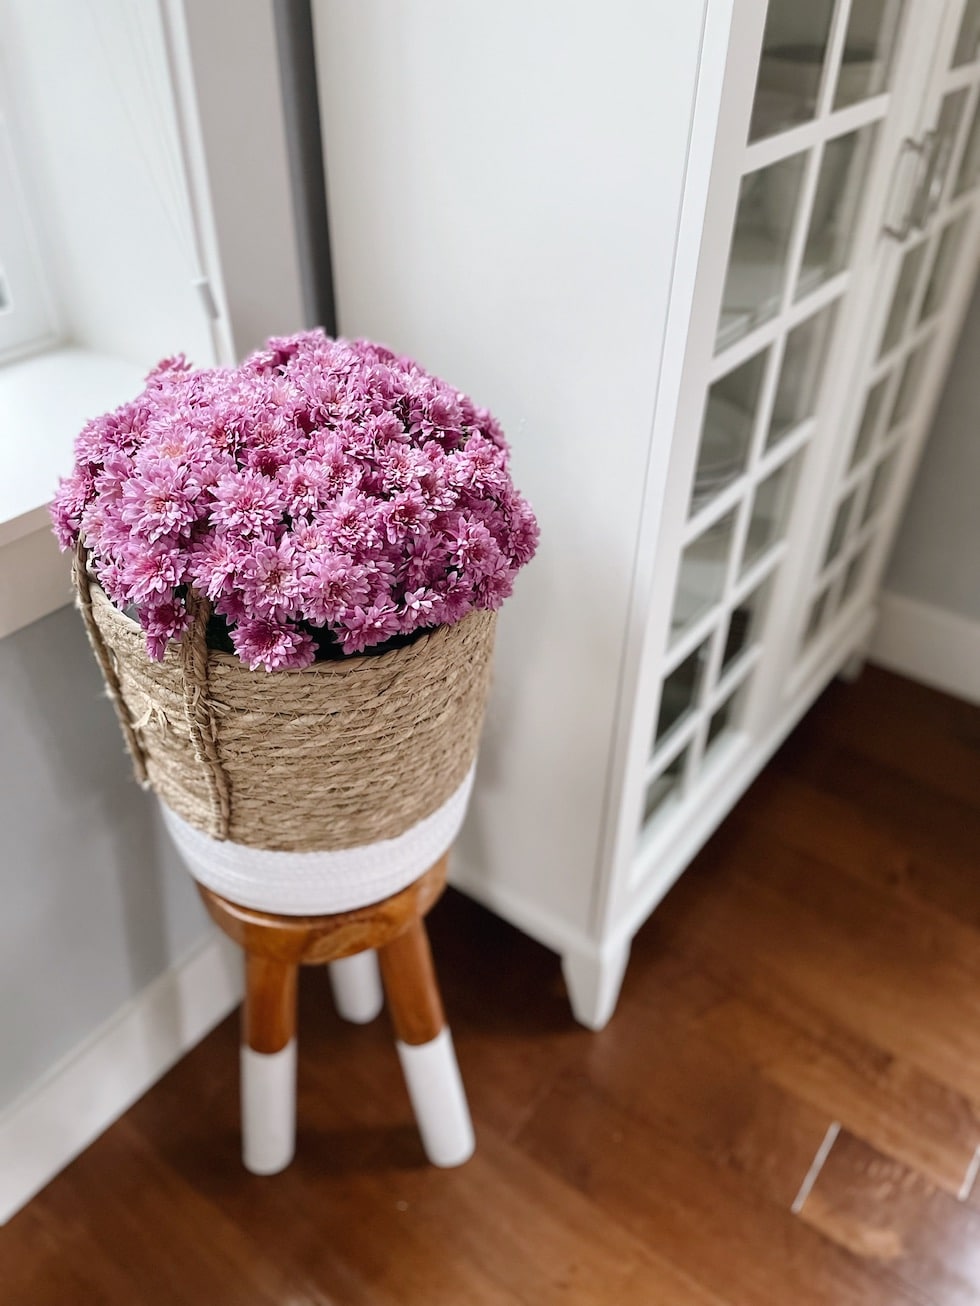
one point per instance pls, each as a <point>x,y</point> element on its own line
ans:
<point>660,789</point>
<point>880,482</point>
<point>728,422</point>
<point>744,623</point>
<point>726,718</point>
<point>970,163</point>
<point>905,286</point>
<point>800,374</point>
<point>793,49</point>
<point>840,189</point>
<point>969,35</point>
<point>767,201</point>
<point>868,50</point>
<point>869,422</point>
<point>770,509</point>
<point>819,612</point>
<point>853,575</point>
<point>942,269</point>
<point>702,575</point>
<point>838,532</point>
<point>679,695</point>
<point>908,386</point>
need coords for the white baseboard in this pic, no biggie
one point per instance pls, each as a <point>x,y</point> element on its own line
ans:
<point>81,1096</point>
<point>939,648</point>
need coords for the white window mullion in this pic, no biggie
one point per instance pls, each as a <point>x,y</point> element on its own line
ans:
<point>27,319</point>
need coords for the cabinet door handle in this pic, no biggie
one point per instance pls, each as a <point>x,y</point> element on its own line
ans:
<point>912,190</point>
<point>935,158</point>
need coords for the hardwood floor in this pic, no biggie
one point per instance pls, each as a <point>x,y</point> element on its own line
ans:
<point>785,1110</point>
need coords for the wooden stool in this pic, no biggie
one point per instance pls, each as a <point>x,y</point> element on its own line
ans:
<point>391,932</point>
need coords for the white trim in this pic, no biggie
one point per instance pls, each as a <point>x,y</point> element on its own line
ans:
<point>536,921</point>
<point>35,579</point>
<point>88,1090</point>
<point>811,1176</point>
<point>927,643</point>
<point>970,1178</point>
<point>327,880</point>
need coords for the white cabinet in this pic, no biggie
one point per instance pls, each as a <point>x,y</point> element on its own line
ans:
<point>707,262</point>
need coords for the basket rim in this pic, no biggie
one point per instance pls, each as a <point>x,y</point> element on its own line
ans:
<point>344,666</point>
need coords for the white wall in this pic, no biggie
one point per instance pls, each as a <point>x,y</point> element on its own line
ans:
<point>936,558</point>
<point>95,903</point>
<point>930,604</point>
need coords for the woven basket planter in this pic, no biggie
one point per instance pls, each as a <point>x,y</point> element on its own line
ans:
<point>337,756</point>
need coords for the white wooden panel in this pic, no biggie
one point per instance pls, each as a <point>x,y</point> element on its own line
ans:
<point>504,185</point>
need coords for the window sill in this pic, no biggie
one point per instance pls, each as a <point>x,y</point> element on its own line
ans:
<point>44,402</point>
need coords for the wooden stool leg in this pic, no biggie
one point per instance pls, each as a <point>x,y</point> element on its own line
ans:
<point>425,1048</point>
<point>356,984</point>
<point>268,1066</point>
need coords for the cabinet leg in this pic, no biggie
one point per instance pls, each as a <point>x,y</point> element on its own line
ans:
<point>268,1065</point>
<point>425,1048</point>
<point>854,665</point>
<point>852,668</point>
<point>593,979</point>
<point>356,983</point>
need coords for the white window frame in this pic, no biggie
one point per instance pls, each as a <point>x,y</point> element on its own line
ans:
<point>27,317</point>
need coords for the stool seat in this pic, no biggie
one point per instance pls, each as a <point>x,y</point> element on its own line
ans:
<point>389,935</point>
<point>313,940</point>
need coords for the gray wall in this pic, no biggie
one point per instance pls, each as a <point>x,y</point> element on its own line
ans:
<point>936,558</point>
<point>94,902</point>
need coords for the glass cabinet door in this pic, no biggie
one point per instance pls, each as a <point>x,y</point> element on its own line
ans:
<point>815,132</point>
<point>932,262</point>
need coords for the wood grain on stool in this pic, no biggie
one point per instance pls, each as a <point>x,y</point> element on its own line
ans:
<point>313,940</point>
<point>269,1014</point>
<point>275,945</point>
<point>410,983</point>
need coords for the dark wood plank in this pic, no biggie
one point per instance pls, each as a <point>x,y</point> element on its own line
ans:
<point>665,1073</point>
<point>733,1239</point>
<point>926,736</point>
<point>901,1110</point>
<point>875,828</point>
<point>902,978</point>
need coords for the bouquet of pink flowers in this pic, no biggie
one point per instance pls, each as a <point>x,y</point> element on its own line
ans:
<point>326,496</point>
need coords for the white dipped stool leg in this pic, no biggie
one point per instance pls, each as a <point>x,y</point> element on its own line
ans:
<point>268,1087</point>
<point>356,983</point>
<point>425,1047</point>
<point>268,1064</point>
<point>438,1099</point>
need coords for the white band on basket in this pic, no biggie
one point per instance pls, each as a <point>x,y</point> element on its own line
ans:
<point>314,883</point>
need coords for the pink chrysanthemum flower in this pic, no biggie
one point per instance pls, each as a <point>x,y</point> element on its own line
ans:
<point>333,584</point>
<point>325,496</point>
<point>247,503</point>
<point>263,642</point>
<point>270,579</point>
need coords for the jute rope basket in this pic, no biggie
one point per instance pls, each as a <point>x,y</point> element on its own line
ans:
<point>335,756</point>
